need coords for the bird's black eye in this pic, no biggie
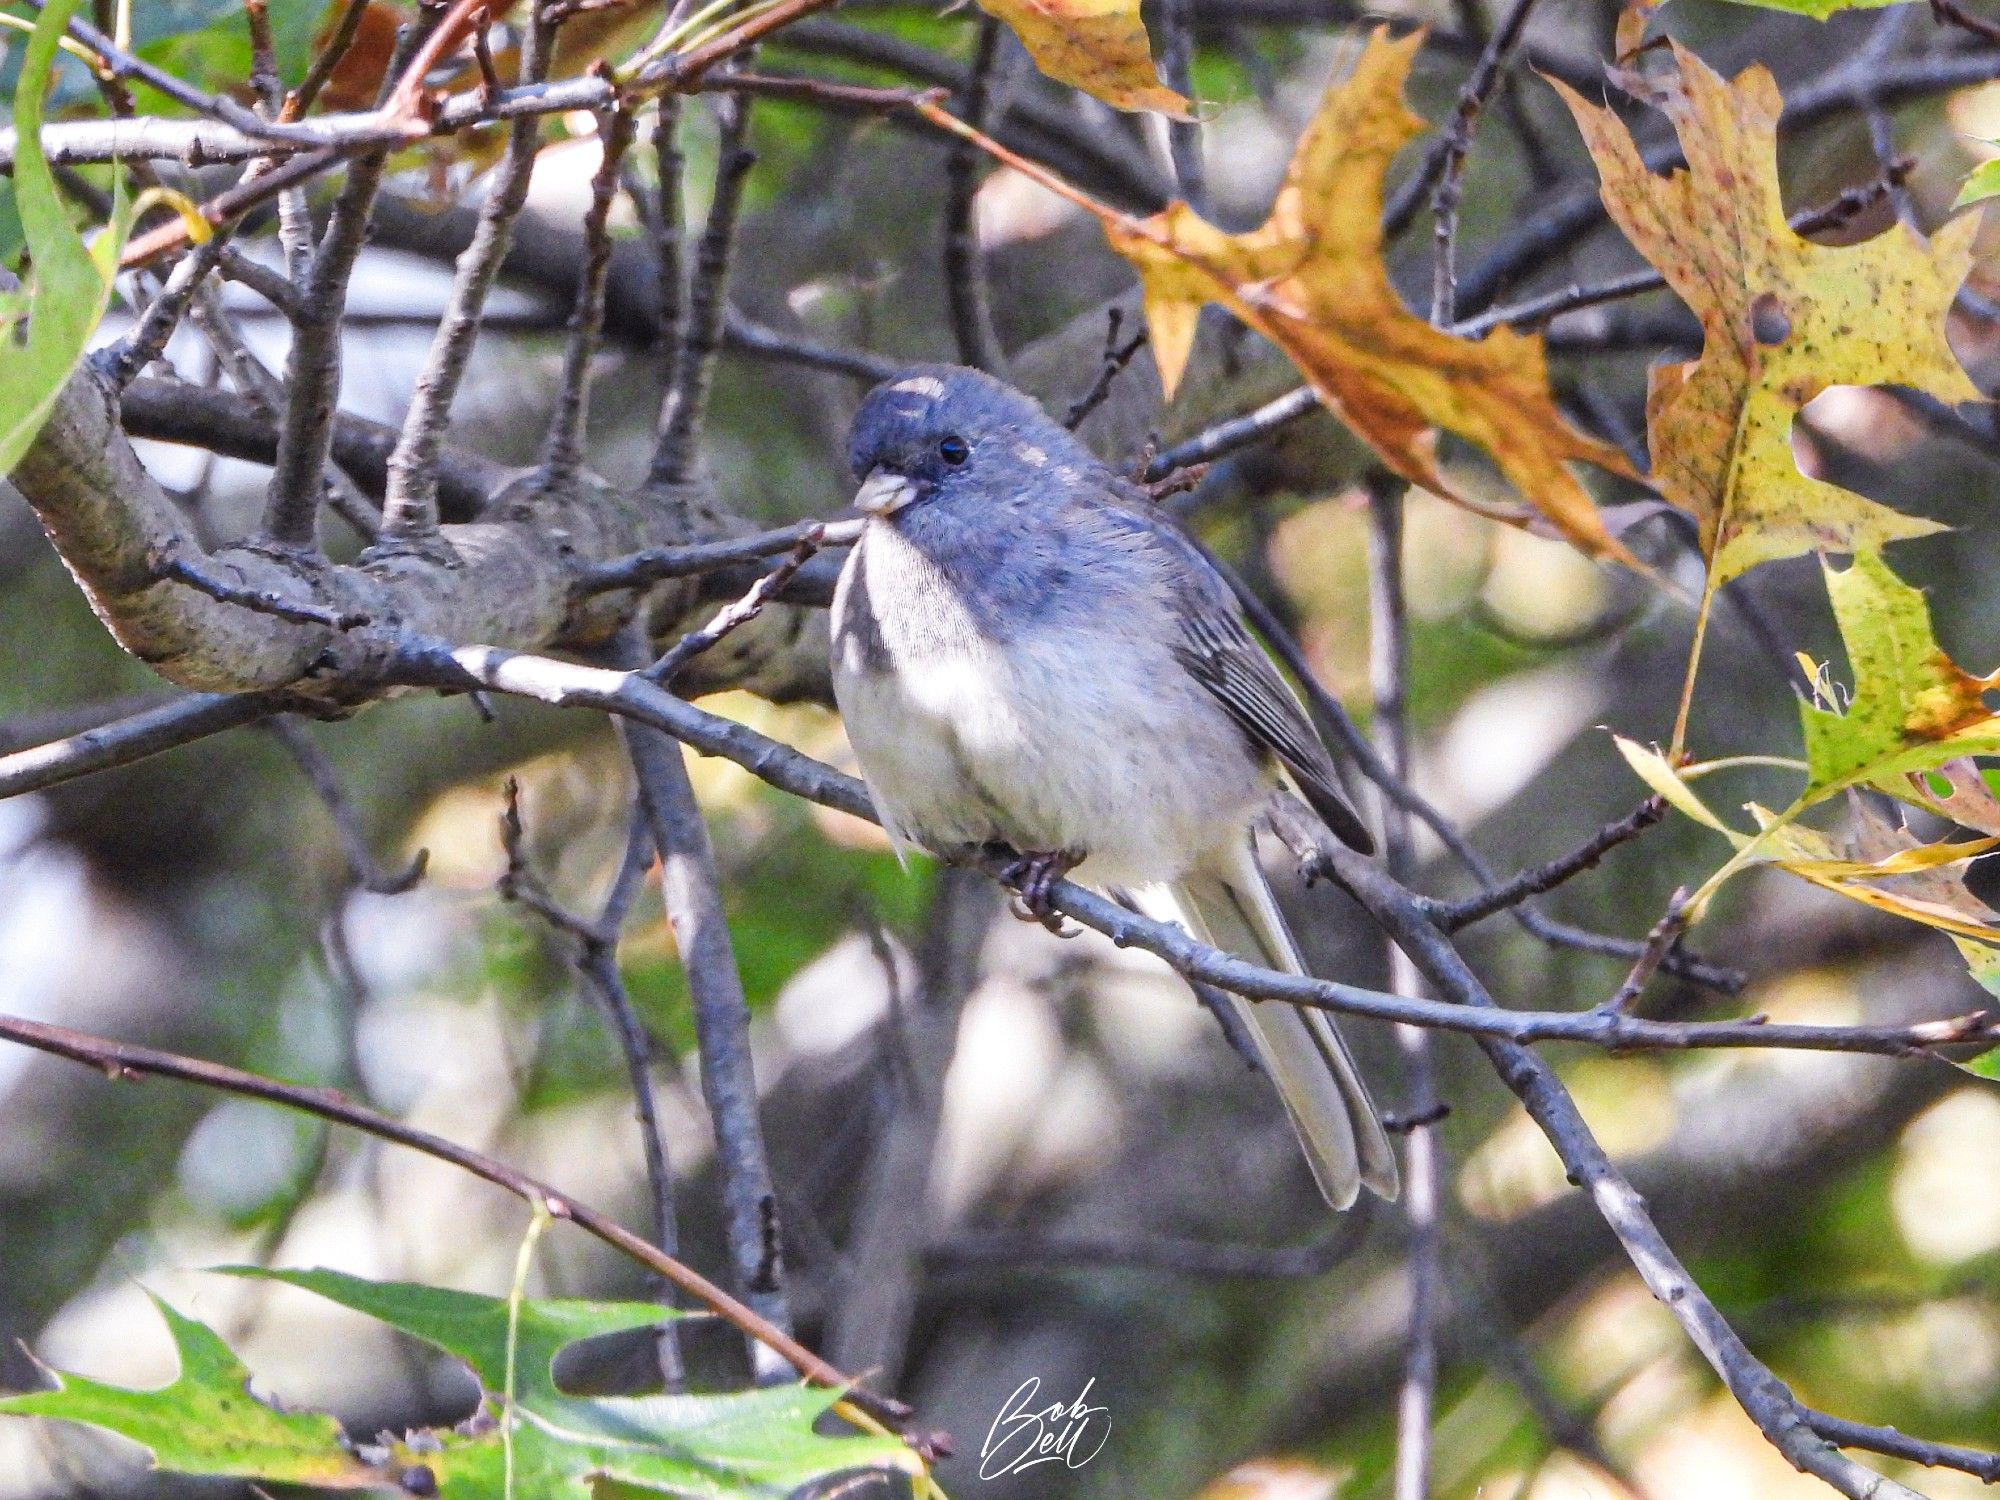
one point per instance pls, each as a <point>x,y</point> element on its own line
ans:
<point>953,450</point>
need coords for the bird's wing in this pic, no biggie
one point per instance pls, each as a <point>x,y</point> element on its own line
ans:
<point>1220,653</point>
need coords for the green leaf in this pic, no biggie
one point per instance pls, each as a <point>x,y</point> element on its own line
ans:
<point>69,286</point>
<point>1912,709</point>
<point>471,1327</point>
<point>714,1447</point>
<point>207,1421</point>
<point>1819,10</point>
<point>1982,183</point>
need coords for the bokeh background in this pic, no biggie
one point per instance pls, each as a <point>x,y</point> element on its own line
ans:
<point>1096,1132</point>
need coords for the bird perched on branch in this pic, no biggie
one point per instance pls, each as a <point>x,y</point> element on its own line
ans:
<point>1028,652</point>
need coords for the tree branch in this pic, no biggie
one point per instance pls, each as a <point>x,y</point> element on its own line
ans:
<point>122,1060</point>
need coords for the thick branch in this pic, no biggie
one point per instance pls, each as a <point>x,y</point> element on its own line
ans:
<point>511,579</point>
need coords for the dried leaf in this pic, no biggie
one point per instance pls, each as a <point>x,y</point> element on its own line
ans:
<point>1782,318</point>
<point>1098,46</point>
<point>1884,866</point>
<point>1312,281</point>
<point>1965,797</point>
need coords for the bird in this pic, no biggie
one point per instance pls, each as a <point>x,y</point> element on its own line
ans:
<point>1027,651</point>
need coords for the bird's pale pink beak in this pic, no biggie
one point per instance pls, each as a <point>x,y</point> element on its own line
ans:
<point>884,492</point>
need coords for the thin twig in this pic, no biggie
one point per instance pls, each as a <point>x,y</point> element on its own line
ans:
<point>169,563</point>
<point>596,961</point>
<point>659,563</point>
<point>1537,311</point>
<point>149,732</point>
<point>686,402</point>
<point>562,449</point>
<point>736,615</point>
<point>410,507</point>
<point>1423,1165</point>
<point>1659,943</point>
<point>312,374</point>
<point>362,867</point>
<point>122,1060</point>
<point>1456,144</point>
<point>1110,366</point>
<point>1177,46</point>
<point>1234,433</point>
<point>147,341</point>
<point>965,284</point>
<point>669,230</point>
<point>326,60</point>
<point>1543,878</point>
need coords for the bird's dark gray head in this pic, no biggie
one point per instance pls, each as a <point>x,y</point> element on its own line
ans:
<point>944,431</point>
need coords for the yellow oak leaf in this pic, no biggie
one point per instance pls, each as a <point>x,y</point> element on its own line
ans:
<point>1099,46</point>
<point>1783,319</point>
<point>1313,282</point>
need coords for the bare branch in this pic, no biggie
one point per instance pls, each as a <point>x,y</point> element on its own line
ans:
<point>149,732</point>
<point>964,267</point>
<point>325,782</point>
<point>1452,915</point>
<point>410,510</point>
<point>562,449</point>
<point>708,299</point>
<point>630,696</point>
<point>1423,1163</point>
<point>691,891</point>
<point>596,961</point>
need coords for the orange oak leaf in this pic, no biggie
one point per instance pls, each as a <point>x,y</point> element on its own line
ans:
<point>1098,46</point>
<point>1783,319</point>
<point>1313,282</point>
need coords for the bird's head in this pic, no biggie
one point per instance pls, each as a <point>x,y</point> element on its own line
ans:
<point>942,432</point>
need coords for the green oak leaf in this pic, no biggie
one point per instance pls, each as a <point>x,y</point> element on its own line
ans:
<point>733,1446</point>
<point>69,283</point>
<point>1819,10</point>
<point>1912,709</point>
<point>207,1422</point>
<point>1982,183</point>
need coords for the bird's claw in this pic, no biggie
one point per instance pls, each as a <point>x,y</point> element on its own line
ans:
<point>1033,876</point>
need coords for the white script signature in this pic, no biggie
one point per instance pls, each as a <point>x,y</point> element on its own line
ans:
<point>1024,1434</point>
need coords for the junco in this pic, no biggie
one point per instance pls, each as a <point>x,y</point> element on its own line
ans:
<point>1028,652</point>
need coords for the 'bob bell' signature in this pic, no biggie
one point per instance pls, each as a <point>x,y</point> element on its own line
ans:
<point>1024,1435</point>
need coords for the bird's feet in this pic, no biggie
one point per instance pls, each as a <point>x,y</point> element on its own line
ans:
<point>1032,875</point>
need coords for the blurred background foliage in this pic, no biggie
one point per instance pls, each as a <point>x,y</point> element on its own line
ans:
<point>1842,1210</point>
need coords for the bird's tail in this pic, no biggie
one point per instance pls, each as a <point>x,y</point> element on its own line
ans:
<point>1232,908</point>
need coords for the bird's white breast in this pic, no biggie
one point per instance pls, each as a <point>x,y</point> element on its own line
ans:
<point>1090,741</point>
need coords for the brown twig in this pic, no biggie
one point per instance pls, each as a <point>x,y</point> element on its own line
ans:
<point>966,288</point>
<point>1543,878</point>
<point>123,1060</point>
<point>1659,943</point>
<point>1110,365</point>
<point>736,615</point>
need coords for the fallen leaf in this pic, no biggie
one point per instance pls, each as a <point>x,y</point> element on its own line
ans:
<point>1312,280</point>
<point>1098,46</point>
<point>1783,319</point>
